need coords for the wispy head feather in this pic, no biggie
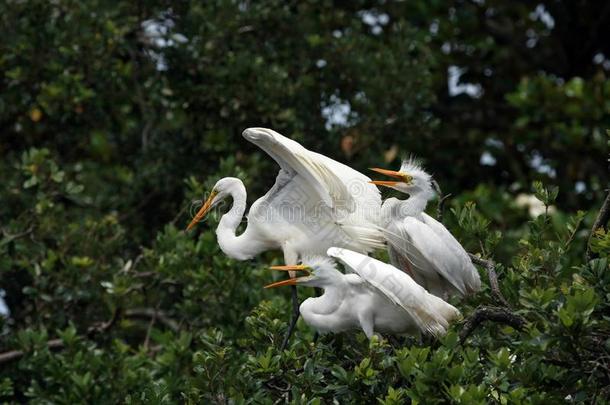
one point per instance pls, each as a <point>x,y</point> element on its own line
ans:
<point>318,262</point>
<point>411,163</point>
<point>414,167</point>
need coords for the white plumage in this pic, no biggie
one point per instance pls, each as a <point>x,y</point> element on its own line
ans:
<point>373,296</point>
<point>419,244</point>
<point>299,214</point>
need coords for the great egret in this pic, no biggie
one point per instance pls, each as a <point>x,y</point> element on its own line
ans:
<point>375,297</point>
<point>300,213</point>
<point>419,244</point>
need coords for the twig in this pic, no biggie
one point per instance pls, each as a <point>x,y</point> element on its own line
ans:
<point>148,313</point>
<point>179,214</point>
<point>494,314</point>
<point>56,344</point>
<point>440,208</point>
<point>441,202</point>
<point>11,237</point>
<point>102,327</point>
<point>99,328</point>
<point>149,330</point>
<point>602,219</point>
<point>490,266</point>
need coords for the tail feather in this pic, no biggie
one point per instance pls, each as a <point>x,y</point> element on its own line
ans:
<point>369,237</point>
<point>436,315</point>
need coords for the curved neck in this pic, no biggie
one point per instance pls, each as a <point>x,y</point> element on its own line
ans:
<point>244,246</point>
<point>414,205</point>
<point>328,302</point>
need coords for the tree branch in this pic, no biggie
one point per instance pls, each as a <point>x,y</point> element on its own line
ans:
<point>602,219</point>
<point>11,237</point>
<point>490,266</point>
<point>102,327</point>
<point>494,314</point>
<point>151,313</point>
<point>440,208</point>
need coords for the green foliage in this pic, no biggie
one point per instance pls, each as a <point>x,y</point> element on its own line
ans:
<point>110,133</point>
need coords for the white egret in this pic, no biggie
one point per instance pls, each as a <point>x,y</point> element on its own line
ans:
<point>419,244</point>
<point>374,296</point>
<point>300,213</point>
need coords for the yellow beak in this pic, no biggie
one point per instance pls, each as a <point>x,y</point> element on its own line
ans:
<point>290,281</point>
<point>203,210</point>
<point>405,178</point>
<point>384,183</point>
<point>387,172</point>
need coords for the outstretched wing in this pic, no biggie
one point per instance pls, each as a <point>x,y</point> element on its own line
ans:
<point>337,185</point>
<point>428,253</point>
<point>430,313</point>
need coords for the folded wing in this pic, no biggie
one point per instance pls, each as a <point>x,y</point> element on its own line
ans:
<point>430,313</point>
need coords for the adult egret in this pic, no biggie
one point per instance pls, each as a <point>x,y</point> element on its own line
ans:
<point>374,296</point>
<point>419,244</point>
<point>300,213</point>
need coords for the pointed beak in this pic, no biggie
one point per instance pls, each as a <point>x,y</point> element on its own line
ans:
<point>387,172</point>
<point>298,267</point>
<point>403,177</point>
<point>384,183</point>
<point>292,280</point>
<point>203,210</point>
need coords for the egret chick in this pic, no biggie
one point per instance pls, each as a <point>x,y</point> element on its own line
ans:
<point>373,296</point>
<point>419,244</point>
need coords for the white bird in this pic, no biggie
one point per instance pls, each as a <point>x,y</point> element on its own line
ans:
<point>374,297</point>
<point>300,213</point>
<point>419,244</point>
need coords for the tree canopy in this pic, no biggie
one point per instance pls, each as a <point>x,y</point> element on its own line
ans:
<point>116,115</point>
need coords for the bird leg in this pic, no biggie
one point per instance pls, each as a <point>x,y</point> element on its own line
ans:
<point>293,319</point>
<point>291,258</point>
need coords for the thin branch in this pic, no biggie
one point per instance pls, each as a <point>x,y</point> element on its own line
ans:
<point>602,219</point>
<point>490,266</point>
<point>149,313</point>
<point>494,314</point>
<point>101,327</point>
<point>179,214</point>
<point>11,237</point>
<point>440,208</point>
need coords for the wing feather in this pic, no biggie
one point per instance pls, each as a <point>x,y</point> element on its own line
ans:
<point>414,238</point>
<point>430,313</point>
<point>466,269</point>
<point>330,179</point>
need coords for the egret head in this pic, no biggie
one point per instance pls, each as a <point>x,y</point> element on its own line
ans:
<point>319,272</point>
<point>411,178</point>
<point>223,188</point>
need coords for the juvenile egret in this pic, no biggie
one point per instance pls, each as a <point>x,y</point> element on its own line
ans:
<point>374,296</point>
<point>419,244</point>
<point>300,213</point>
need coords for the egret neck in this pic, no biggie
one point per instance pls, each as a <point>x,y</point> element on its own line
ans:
<point>333,283</point>
<point>414,205</point>
<point>244,246</point>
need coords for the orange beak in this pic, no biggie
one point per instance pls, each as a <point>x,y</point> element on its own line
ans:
<point>405,178</point>
<point>290,281</point>
<point>291,269</point>
<point>203,210</point>
<point>387,172</point>
<point>384,183</point>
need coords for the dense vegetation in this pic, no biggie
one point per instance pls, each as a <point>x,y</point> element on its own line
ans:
<point>116,115</point>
